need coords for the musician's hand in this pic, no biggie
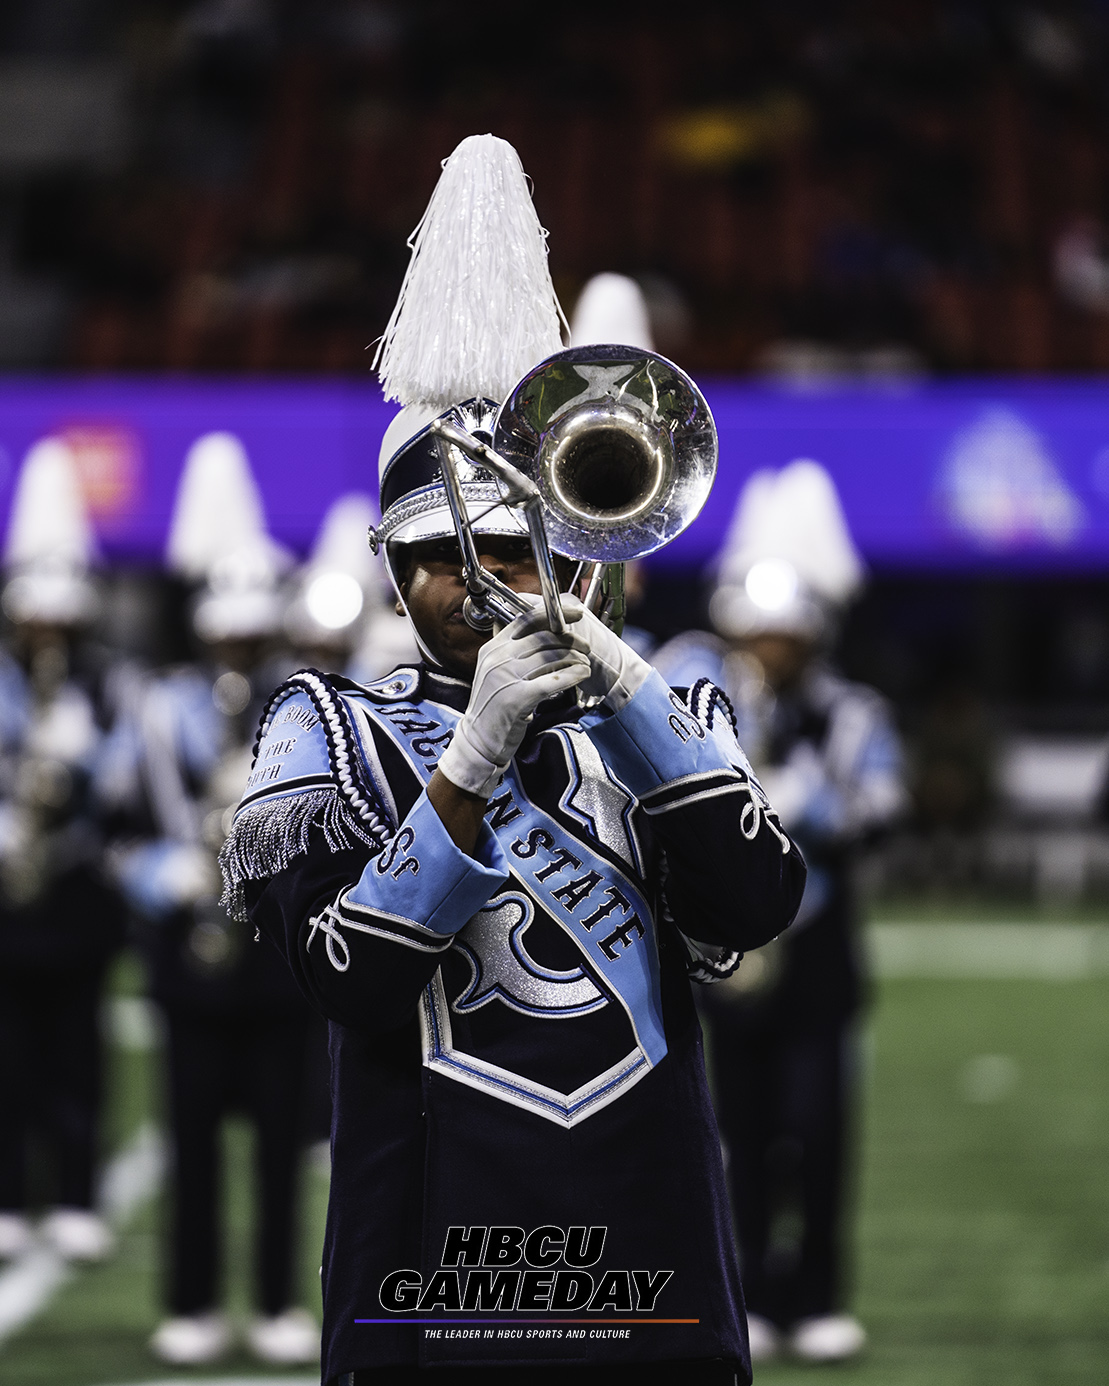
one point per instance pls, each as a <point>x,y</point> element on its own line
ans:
<point>616,672</point>
<point>518,669</point>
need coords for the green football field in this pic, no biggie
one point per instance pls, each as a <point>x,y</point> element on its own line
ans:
<point>983,1248</point>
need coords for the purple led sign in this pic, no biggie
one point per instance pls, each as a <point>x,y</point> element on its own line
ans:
<point>1006,475</point>
<point>963,474</point>
<point>307,443</point>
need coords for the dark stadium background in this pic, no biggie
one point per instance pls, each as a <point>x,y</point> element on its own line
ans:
<point>815,196</point>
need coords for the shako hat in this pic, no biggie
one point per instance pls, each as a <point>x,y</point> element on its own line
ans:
<point>477,310</point>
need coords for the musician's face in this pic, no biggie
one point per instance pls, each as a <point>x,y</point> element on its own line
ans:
<point>783,657</point>
<point>242,655</point>
<point>433,591</point>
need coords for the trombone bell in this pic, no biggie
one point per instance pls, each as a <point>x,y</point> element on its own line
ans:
<point>603,466</point>
<point>608,452</point>
<point>621,445</point>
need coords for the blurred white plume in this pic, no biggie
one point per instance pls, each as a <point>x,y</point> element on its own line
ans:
<point>50,542</point>
<point>794,516</point>
<point>218,510</point>
<point>342,544</point>
<point>611,308</point>
<point>218,534</point>
<point>49,521</point>
<point>342,582</point>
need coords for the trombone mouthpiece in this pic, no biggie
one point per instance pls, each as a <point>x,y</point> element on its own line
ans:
<point>476,618</point>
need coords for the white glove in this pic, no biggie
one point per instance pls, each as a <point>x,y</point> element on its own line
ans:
<point>616,672</point>
<point>521,667</point>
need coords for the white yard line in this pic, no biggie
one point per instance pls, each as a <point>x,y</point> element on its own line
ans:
<point>1036,952</point>
<point>131,1178</point>
<point>28,1285</point>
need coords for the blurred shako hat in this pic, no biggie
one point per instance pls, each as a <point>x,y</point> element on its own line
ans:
<point>477,310</point>
<point>50,544</point>
<point>341,582</point>
<point>611,308</point>
<point>789,564</point>
<point>218,537</point>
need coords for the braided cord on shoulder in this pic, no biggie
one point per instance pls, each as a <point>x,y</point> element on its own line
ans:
<point>346,764</point>
<point>706,698</point>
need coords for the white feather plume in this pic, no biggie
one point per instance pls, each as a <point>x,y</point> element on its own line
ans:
<point>218,510</point>
<point>477,309</point>
<point>341,545</point>
<point>49,522</point>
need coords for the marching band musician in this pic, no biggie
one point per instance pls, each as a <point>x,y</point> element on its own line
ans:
<point>782,1030</point>
<point>494,871</point>
<point>60,921</point>
<point>238,1033</point>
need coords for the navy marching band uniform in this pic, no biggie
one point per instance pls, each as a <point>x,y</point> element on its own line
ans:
<point>521,1120</point>
<point>60,925</point>
<point>783,1060</point>
<point>237,1028</point>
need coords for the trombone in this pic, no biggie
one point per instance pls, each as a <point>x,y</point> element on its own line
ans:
<point>607,452</point>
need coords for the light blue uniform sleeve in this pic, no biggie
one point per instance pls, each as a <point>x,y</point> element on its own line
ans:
<point>847,795</point>
<point>655,742</point>
<point>421,889</point>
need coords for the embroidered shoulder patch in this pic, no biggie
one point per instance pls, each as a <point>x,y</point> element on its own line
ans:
<point>292,751</point>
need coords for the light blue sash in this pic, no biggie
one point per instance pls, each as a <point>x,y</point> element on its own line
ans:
<point>601,907</point>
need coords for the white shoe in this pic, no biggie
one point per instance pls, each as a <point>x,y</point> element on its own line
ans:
<point>191,1340</point>
<point>78,1234</point>
<point>16,1236</point>
<point>830,1338</point>
<point>291,1338</point>
<point>763,1338</point>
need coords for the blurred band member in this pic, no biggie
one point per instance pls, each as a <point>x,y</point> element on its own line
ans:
<point>237,1029</point>
<point>342,619</point>
<point>782,1030</point>
<point>60,923</point>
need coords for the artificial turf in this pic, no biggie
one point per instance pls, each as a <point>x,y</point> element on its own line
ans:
<point>983,1246</point>
<point>983,1241</point>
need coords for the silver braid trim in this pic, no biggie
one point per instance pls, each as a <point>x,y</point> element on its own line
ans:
<point>339,738</point>
<point>432,498</point>
<point>710,962</point>
<point>266,837</point>
<point>706,699</point>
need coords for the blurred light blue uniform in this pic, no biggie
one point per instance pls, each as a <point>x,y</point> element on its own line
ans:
<point>830,760</point>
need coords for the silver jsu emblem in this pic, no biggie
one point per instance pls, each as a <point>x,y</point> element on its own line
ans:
<point>502,968</point>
